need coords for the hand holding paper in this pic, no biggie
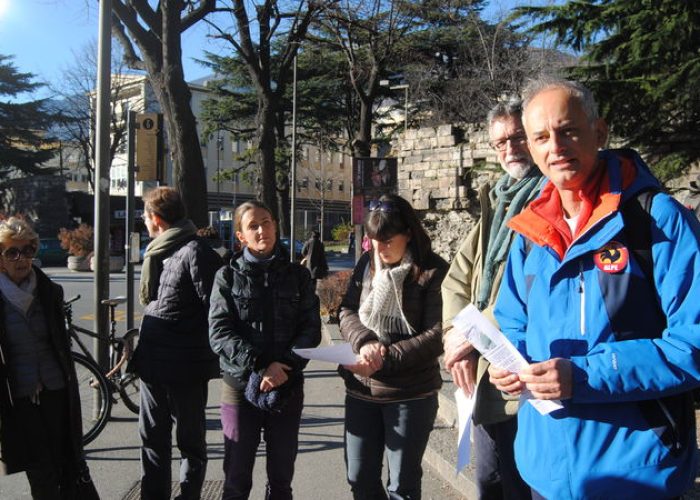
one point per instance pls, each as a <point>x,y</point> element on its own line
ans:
<point>498,350</point>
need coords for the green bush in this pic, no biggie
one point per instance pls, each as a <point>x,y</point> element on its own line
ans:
<point>341,231</point>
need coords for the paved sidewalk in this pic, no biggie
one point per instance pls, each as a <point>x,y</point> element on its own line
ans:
<point>320,470</point>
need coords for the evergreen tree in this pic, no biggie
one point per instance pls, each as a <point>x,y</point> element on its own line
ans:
<point>641,60</point>
<point>23,145</point>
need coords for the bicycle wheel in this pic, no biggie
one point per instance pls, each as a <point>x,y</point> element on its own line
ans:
<point>129,383</point>
<point>95,400</point>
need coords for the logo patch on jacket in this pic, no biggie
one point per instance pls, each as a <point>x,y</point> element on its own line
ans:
<point>612,258</point>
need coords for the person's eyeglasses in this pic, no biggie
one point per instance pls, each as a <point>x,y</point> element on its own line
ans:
<point>515,140</point>
<point>382,206</point>
<point>14,253</point>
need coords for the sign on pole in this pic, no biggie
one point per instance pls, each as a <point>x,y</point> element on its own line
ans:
<point>149,147</point>
<point>371,178</point>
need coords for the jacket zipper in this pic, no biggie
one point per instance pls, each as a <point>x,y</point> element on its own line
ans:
<point>582,293</point>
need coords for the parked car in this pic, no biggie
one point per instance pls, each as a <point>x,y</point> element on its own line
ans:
<point>50,253</point>
<point>298,245</point>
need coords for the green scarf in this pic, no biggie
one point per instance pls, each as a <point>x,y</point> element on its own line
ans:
<point>508,201</point>
<point>163,245</point>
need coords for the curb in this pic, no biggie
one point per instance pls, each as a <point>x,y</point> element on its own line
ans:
<point>440,453</point>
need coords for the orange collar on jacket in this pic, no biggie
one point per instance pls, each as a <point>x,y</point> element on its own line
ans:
<point>542,221</point>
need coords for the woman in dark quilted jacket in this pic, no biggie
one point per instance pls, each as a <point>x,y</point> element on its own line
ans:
<point>391,315</point>
<point>40,419</point>
<point>262,306</point>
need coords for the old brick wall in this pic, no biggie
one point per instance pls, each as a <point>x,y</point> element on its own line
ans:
<point>439,172</point>
<point>440,169</point>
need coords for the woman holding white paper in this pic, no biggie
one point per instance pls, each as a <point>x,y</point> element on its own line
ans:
<point>262,307</point>
<point>391,315</point>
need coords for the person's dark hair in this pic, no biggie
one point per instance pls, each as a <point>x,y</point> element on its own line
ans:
<point>394,215</point>
<point>315,234</point>
<point>244,207</point>
<point>208,232</point>
<point>165,202</point>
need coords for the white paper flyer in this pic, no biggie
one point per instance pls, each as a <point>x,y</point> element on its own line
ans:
<point>498,350</point>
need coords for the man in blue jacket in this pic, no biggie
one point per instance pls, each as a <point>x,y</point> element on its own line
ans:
<point>619,348</point>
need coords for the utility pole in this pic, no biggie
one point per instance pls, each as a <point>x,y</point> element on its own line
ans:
<point>219,149</point>
<point>102,184</point>
<point>293,201</point>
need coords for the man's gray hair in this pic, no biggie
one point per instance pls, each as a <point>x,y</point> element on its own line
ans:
<point>512,106</point>
<point>575,90</point>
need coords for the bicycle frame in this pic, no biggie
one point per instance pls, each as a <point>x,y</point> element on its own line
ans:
<point>115,344</point>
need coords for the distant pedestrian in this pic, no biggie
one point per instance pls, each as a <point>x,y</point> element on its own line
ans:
<point>391,315</point>
<point>262,307</point>
<point>366,243</point>
<point>173,357</point>
<point>41,425</point>
<point>314,257</point>
<point>212,238</point>
<point>351,242</point>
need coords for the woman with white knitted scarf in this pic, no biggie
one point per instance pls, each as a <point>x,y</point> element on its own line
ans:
<point>391,315</point>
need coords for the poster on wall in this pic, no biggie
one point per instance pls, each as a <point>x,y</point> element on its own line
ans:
<point>372,177</point>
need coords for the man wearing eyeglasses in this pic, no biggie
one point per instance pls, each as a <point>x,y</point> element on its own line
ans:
<point>474,277</point>
<point>610,331</point>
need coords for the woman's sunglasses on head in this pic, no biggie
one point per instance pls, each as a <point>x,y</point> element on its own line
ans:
<point>382,206</point>
<point>14,253</point>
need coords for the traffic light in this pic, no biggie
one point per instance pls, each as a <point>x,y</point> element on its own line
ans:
<point>149,147</point>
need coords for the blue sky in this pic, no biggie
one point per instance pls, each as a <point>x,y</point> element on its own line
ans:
<point>44,35</point>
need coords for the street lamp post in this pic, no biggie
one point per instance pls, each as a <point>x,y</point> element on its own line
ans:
<point>293,180</point>
<point>219,149</point>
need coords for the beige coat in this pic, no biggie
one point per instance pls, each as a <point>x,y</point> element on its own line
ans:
<point>459,288</point>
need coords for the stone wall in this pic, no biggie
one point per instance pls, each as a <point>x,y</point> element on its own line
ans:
<point>439,171</point>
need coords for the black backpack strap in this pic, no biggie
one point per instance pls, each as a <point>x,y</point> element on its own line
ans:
<point>636,213</point>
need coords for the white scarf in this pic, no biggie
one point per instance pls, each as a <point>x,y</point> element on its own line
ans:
<point>21,296</point>
<point>381,309</point>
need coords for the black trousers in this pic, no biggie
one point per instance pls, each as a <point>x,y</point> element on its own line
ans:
<point>497,477</point>
<point>45,432</point>
<point>161,406</point>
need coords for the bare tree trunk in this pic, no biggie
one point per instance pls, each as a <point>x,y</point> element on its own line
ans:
<point>183,141</point>
<point>362,144</point>
<point>267,141</point>
<point>160,47</point>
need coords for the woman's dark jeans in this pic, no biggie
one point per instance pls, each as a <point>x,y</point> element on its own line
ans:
<point>399,428</point>
<point>242,425</point>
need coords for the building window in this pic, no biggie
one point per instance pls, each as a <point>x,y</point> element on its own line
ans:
<point>341,186</point>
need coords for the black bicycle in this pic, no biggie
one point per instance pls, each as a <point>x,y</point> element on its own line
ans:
<point>97,389</point>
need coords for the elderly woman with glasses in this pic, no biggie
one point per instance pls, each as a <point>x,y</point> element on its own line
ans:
<point>40,424</point>
<point>391,315</point>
